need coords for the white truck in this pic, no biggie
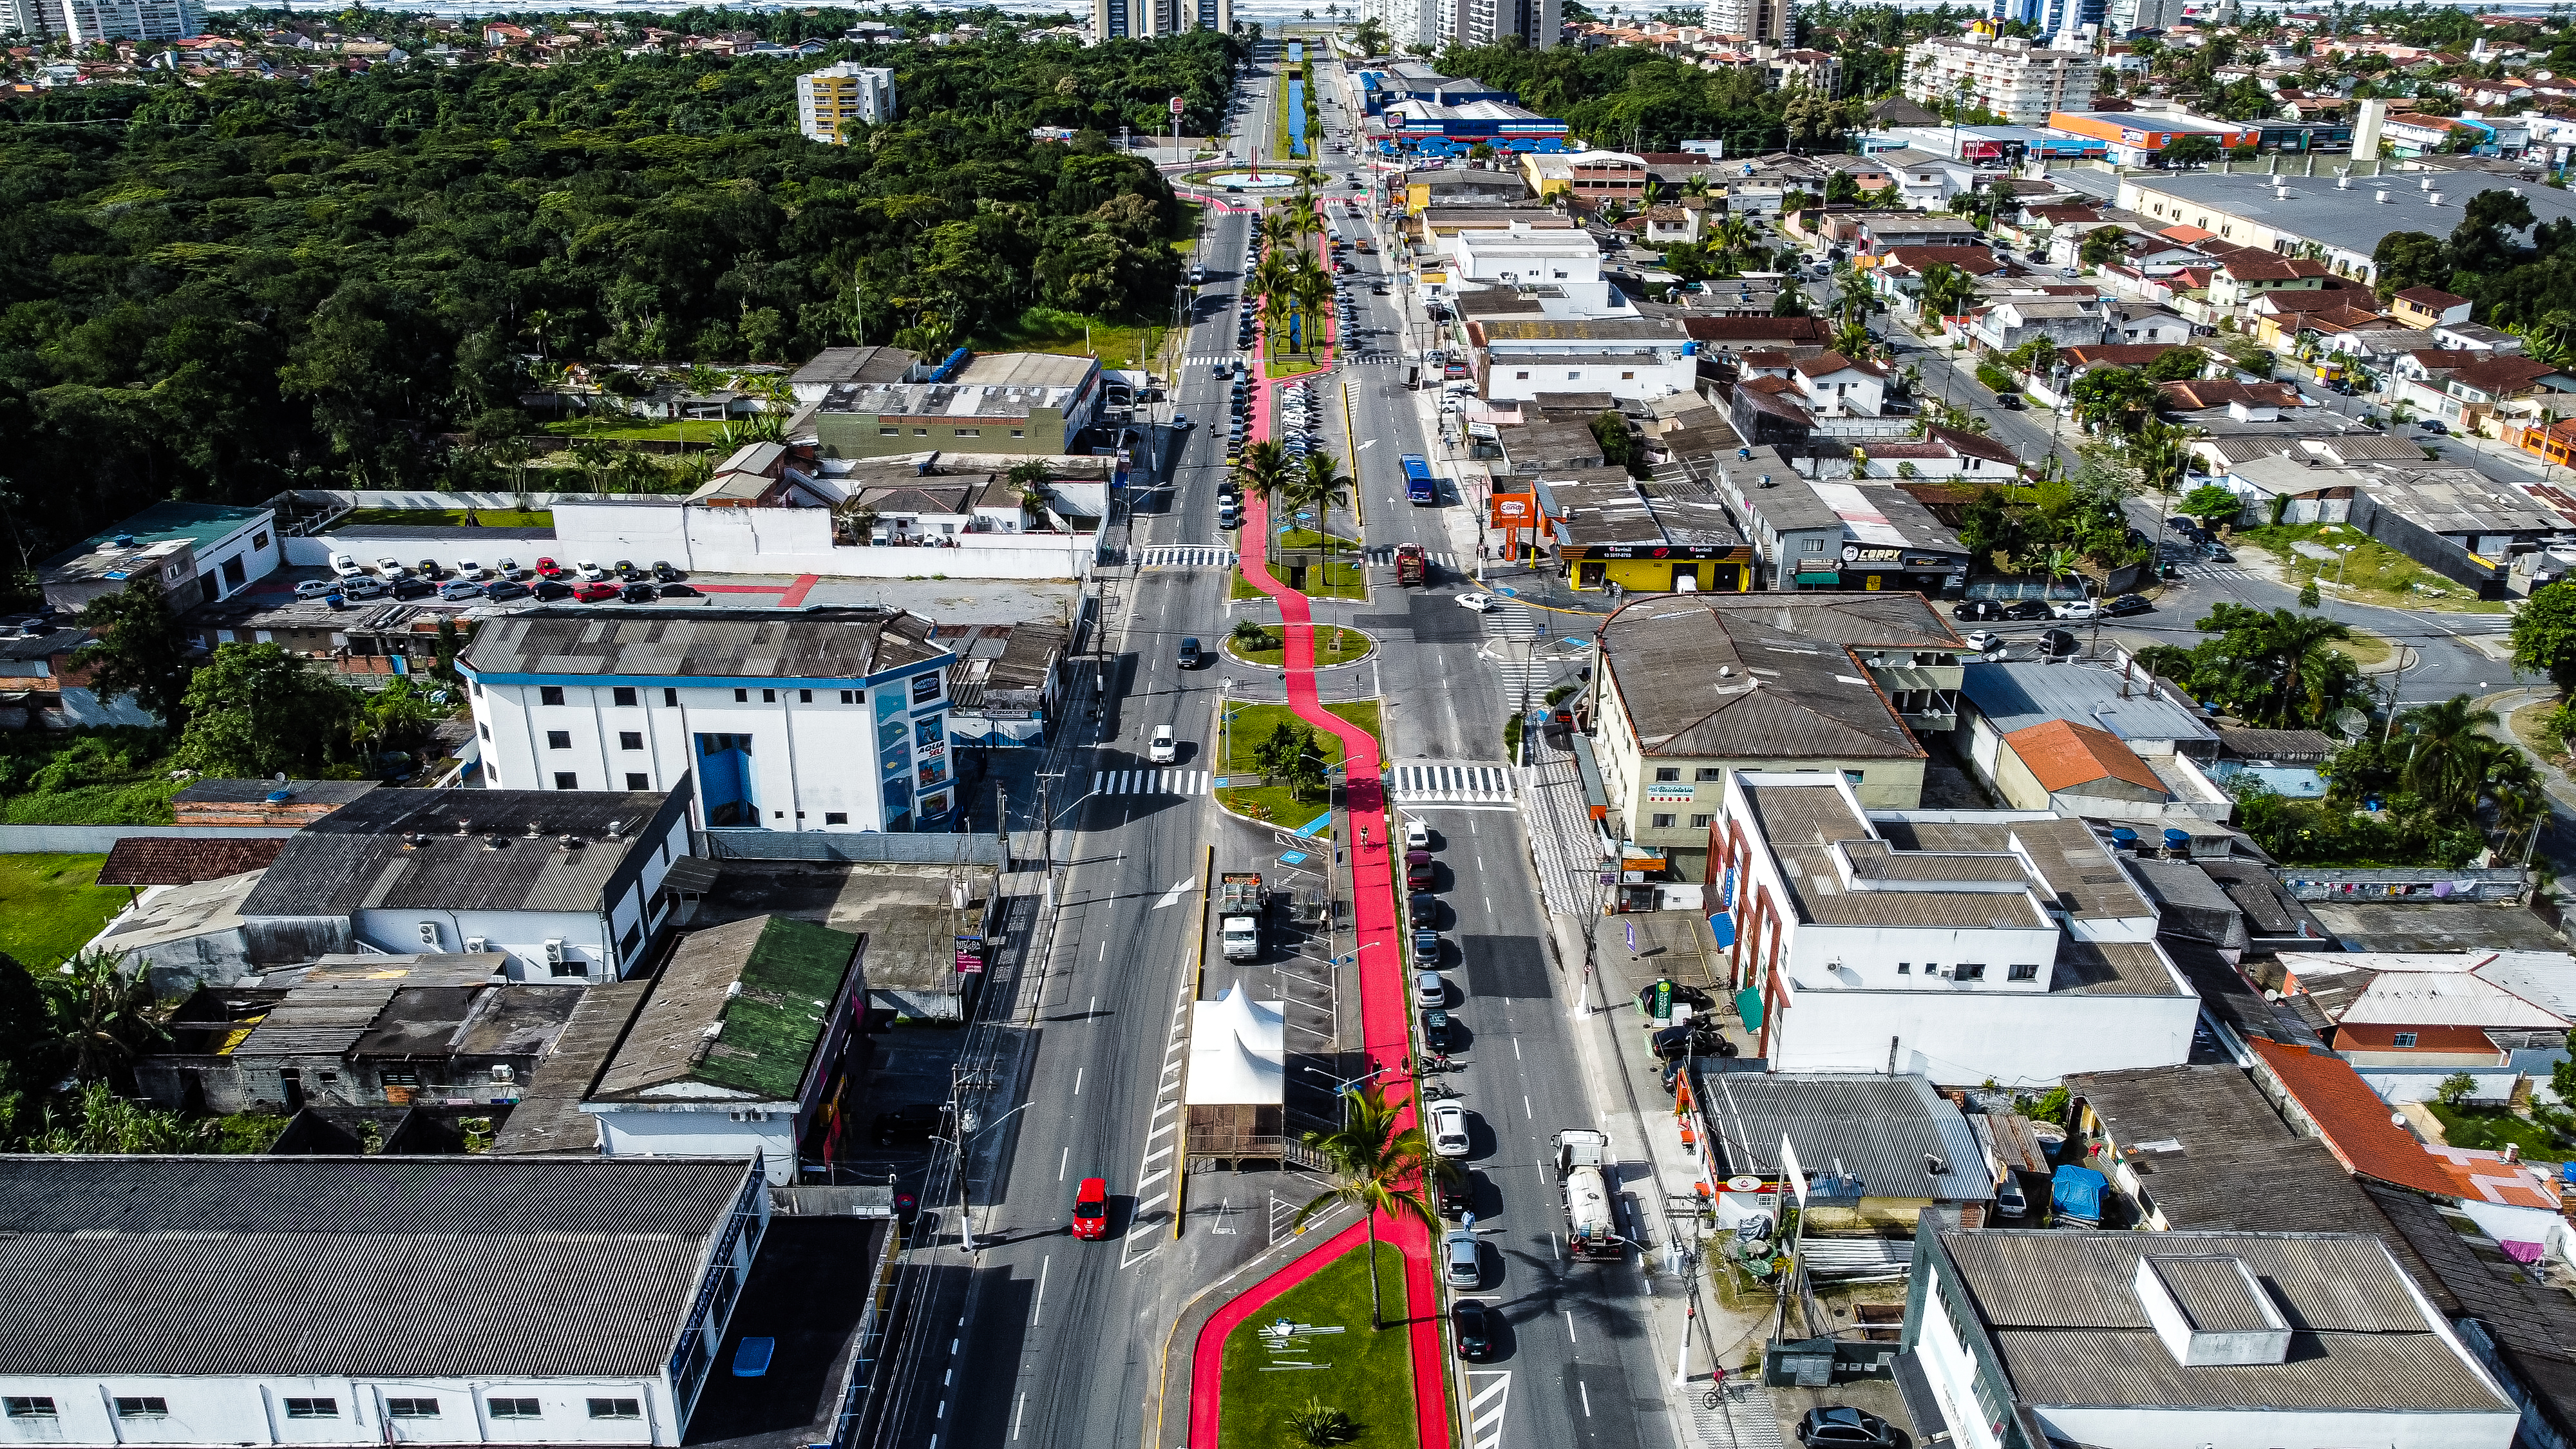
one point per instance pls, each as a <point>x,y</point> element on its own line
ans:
<point>1591,1215</point>
<point>1239,905</point>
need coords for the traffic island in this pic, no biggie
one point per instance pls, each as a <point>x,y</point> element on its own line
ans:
<point>1242,733</point>
<point>1312,1347</point>
<point>1334,646</point>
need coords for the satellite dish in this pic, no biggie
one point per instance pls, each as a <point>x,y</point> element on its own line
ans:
<point>2350,722</point>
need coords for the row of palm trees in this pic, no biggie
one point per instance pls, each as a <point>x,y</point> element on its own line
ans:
<point>1313,484</point>
<point>1288,279</point>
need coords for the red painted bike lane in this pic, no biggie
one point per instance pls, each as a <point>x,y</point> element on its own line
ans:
<point>1385,1028</point>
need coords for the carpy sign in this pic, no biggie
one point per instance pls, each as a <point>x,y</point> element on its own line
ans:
<point>1176,105</point>
<point>1515,510</point>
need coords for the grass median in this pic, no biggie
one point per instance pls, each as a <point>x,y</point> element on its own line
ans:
<point>1244,730</point>
<point>1329,1356</point>
<point>1333,645</point>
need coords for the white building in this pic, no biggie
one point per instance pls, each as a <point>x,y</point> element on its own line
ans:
<point>833,102</point>
<point>368,1300</point>
<point>196,552</point>
<point>1139,19</point>
<point>2219,1340</point>
<point>742,1042</point>
<point>565,884</point>
<point>2013,78</point>
<point>1970,946</point>
<point>30,19</point>
<point>99,22</point>
<point>1539,23</point>
<point>828,719</point>
<point>1631,359</point>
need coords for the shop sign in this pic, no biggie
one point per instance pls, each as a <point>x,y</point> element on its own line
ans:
<point>1854,553</point>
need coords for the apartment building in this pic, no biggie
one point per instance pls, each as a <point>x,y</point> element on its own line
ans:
<point>1538,23</point>
<point>101,22</point>
<point>1139,19</point>
<point>1760,22</point>
<point>832,103</point>
<point>2013,78</point>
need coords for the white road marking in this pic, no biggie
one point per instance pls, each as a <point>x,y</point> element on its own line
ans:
<point>1516,1048</point>
<point>1077,1080</point>
<point>1569,1325</point>
<point>1018,1415</point>
<point>1525,1108</point>
<point>1104,955</point>
<point>1587,1397</point>
<point>1364,447</point>
<point>1062,1162</point>
<point>1163,1172</point>
<point>1037,1310</point>
<point>1173,896</point>
<point>1167,1107</point>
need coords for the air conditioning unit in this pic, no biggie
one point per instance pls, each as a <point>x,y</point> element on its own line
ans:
<point>429,934</point>
<point>475,945</point>
<point>554,953</point>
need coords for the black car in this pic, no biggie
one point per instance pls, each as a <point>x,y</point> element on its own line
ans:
<point>1421,910</point>
<point>1972,610</point>
<point>916,1123</point>
<point>413,588</point>
<point>676,591</point>
<point>626,569</point>
<point>1436,1035</point>
<point>1191,655</point>
<point>1472,1326</point>
<point>1457,1194</point>
<point>1843,1427</point>
<point>1426,947</point>
<point>2010,400</point>
<point>2027,609</point>
<point>552,589</point>
<point>505,589</point>
<point>2127,604</point>
<point>666,573</point>
<point>638,593</point>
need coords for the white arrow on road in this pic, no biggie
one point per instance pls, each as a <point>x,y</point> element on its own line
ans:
<point>1173,896</point>
<point>1364,447</point>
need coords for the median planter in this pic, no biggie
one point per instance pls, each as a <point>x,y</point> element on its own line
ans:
<point>1335,646</point>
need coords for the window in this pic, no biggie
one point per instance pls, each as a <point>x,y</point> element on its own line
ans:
<point>1663,821</point>
<point>849,696</point>
<point>671,697</point>
<point>36,1408</point>
<point>142,1408</point>
<point>509,1408</point>
<point>921,432</point>
<point>1015,432</point>
<point>769,696</point>
<point>616,1409</point>
<point>889,432</point>
<point>411,1408</point>
<point>1706,773</point>
<point>1521,376</point>
<point>312,1408</point>
<point>622,696</point>
<point>1853,777</point>
<point>1968,971</point>
<point>836,817</point>
<point>549,694</point>
<point>1668,774</point>
<point>804,696</point>
<point>2403,1038</point>
<point>486,730</point>
<point>259,540</point>
<point>564,780</point>
<point>638,782</point>
<point>570,965</point>
<point>742,696</point>
<point>1627,377</point>
<point>1904,968</point>
<point>925,688</point>
<point>558,739</point>
<point>2027,972</point>
<point>630,739</point>
<point>963,433</point>
<point>1700,822</point>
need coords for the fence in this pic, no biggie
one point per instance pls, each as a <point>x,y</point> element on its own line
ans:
<point>751,843</point>
<point>2311,883</point>
<point>95,839</point>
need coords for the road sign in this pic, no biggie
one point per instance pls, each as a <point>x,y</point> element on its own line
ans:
<point>1176,105</point>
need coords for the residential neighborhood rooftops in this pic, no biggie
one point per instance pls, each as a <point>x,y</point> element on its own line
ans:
<point>195,524</point>
<point>149,860</point>
<point>2212,1154</point>
<point>2453,500</point>
<point>2017,696</point>
<point>2348,219</point>
<point>737,1013</point>
<point>1890,1132</point>
<point>2062,754</point>
<point>1805,825</point>
<point>460,850</point>
<point>823,643</point>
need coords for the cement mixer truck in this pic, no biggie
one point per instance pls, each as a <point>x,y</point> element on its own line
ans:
<point>1591,1214</point>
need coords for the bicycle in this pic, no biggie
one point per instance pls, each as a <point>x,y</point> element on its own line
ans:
<point>1720,1391</point>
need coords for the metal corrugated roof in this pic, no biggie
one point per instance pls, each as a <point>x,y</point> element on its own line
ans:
<point>1879,1129</point>
<point>817,643</point>
<point>2412,1372</point>
<point>2322,1282</point>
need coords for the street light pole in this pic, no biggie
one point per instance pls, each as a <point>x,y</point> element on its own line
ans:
<point>965,1219</point>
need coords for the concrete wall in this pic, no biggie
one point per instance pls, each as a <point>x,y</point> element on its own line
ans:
<point>656,1131</point>
<point>253,1410</point>
<point>799,541</point>
<point>92,839</point>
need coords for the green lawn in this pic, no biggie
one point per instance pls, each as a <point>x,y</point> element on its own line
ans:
<point>1365,1373</point>
<point>1247,727</point>
<point>705,432</point>
<point>451,517</point>
<point>2486,1127</point>
<point>1042,329</point>
<point>48,908</point>
<point>1333,645</point>
<point>1341,579</point>
<point>2373,573</point>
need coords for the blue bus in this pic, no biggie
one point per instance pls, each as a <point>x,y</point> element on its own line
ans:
<point>1420,487</point>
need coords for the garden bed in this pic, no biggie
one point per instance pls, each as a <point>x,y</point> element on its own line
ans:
<point>2492,1128</point>
<point>1333,645</point>
<point>1365,1373</point>
<point>1243,732</point>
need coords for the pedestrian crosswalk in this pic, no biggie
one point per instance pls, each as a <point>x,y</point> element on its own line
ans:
<point>1530,678</point>
<point>1187,558</point>
<point>1211,359</point>
<point>1149,782</point>
<point>1512,621</point>
<point>1435,783</point>
<point>2214,571</point>
<point>1365,358</point>
<point>1386,556</point>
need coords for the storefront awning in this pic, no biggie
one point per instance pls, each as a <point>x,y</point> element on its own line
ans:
<point>1748,1004</point>
<point>1596,799</point>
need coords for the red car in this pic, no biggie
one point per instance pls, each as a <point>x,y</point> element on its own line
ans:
<point>1091,1209</point>
<point>596,593</point>
<point>548,569</point>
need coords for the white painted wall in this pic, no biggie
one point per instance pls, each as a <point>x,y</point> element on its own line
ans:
<point>799,541</point>
<point>523,934</point>
<point>1952,1374</point>
<point>2143,1428</point>
<point>1959,1036</point>
<point>1630,376</point>
<point>769,1129</point>
<point>246,1410</point>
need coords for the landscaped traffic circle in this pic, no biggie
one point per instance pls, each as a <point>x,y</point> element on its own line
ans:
<point>1246,181</point>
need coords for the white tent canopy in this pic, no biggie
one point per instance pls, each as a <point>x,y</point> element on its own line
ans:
<point>1238,1052</point>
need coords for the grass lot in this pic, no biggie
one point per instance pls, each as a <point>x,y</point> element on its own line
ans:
<point>2489,1128</point>
<point>2525,724</point>
<point>2365,648</point>
<point>1333,645</point>
<point>452,517</point>
<point>1341,579</point>
<point>1043,329</point>
<point>1247,727</point>
<point>48,907</point>
<point>1367,1375</point>
<point>2372,574</point>
<point>705,432</point>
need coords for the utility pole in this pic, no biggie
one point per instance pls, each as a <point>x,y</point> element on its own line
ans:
<point>1002,822</point>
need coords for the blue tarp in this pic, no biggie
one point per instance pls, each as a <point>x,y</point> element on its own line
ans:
<point>2077,1193</point>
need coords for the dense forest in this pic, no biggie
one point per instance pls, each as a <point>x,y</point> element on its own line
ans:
<point>214,292</point>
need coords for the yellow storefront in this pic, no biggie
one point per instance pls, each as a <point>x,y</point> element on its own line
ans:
<point>1640,568</point>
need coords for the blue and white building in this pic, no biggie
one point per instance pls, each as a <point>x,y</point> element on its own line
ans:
<point>829,719</point>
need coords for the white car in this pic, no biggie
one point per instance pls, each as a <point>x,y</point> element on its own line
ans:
<point>1449,1130</point>
<point>589,570</point>
<point>1417,836</point>
<point>391,568</point>
<point>365,587</point>
<point>2077,609</point>
<point>1162,749</point>
<point>316,588</point>
<point>345,565</point>
<point>1479,603</point>
<point>509,568</point>
<point>1984,641</point>
<point>1430,989</point>
<point>467,568</point>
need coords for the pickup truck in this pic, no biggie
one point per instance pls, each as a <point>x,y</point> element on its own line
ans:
<point>1239,904</point>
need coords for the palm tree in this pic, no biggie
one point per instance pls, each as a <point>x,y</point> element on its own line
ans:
<point>1263,472</point>
<point>2302,665</point>
<point>2445,762</point>
<point>1314,292</point>
<point>1322,486</point>
<point>1376,1167</point>
<point>1029,476</point>
<point>1852,341</point>
<point>102,1018</point>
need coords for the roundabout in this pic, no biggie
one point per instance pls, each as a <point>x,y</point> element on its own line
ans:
<point>1247,181</point>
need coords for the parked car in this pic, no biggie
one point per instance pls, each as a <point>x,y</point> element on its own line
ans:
<point>461,589</point>
<point>2431,426</point>
<point>1417,836</point>
<point>429,569</point>
<point>317,588</point>
<point>1984,641</point>
<point>2078,609</point>
<point>1426,948</point>
<point>2024,610</point>
<point>637,593</point>
<point>552,589</point>
<point>467,568</point>
<point>1421,910</point>
<point>345,565</point>
<point>2127,604</point>
<point>366,586</point>
<point>1449,1129</point>
<point>1977,609</point>
<point>1457,1193</point>
<point>1470,1327</point>
<point>595,592</point>
<point>625,569</point>
<point>1430,989</point>
<point>1843,1427</point>
<point>391,568</point>
<point>1091,1209</point>
<point>1436,1034</point>
<point>408,588</point>
<point>2010,1201</point>
<point>505,589</point>
<point>1462,1257</point>
<point>677,591</point>
<point>1418,875</point>
<point>1191,655</point>
<point>665,573</point>
<point>548,569</point>
<point>589,570</point>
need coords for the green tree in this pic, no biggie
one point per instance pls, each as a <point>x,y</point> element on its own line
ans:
<point>1376,1166</point>
<point>2212,503</point>
<point>2544,635</point>
<point>2455,1089</point>
<point>2102,246</point>
<point>256,710</point>
<point>2308,596</point>
<point>2112,397</point>
<point>2186,152</point>
<point>2479,243</point>
<point>141,649</point>
<point>2404,259</point>
<point>102,1017</point>
<point>2182,364</point>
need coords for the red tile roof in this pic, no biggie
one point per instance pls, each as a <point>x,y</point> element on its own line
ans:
<point>2062,754</point>
<point>1975,261</point>
<point>144,860</point>
<point>2431,299</point>
<point>2352,1120</point>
